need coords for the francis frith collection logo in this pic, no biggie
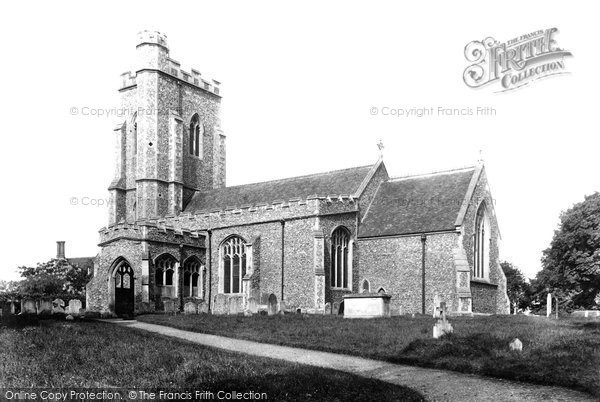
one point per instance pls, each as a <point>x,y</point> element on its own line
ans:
<point>514,63</point>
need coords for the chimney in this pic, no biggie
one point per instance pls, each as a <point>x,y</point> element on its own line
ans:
<point>60,250</point>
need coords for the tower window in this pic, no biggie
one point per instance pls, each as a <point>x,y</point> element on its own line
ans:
<point>195,136</point>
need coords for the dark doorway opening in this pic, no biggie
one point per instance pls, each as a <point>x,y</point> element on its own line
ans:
<point>124,290</point>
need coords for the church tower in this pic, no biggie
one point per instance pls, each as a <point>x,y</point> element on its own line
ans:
<point>170,144</point>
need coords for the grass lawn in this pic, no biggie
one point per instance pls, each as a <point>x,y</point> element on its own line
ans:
<point>67,355</point>
<point>564,352</point>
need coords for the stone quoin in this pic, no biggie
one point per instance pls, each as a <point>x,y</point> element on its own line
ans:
<point>179,239</point>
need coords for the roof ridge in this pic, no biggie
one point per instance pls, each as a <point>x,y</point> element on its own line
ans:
<point>433,173</point>
<point>290,178</point>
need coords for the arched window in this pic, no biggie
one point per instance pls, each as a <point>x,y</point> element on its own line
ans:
<point>195,136</point>
<point>158,274</point>
<point>134,132</point>
<point>341,258</point>
<point>191,274</point>
<point>233,252</point>
<point>381,291</point>
<point>123,276</point>
<point>481,244</point>
<point>366,287</point>
<point>164,270</point>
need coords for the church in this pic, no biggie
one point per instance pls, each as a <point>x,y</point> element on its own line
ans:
<point>177,235</point>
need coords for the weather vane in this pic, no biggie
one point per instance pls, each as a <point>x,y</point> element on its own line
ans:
<point>480,156</point>
<point>380,146</point>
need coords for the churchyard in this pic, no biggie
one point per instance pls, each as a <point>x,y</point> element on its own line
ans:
<point>37,351</point>
<point>563,352</point>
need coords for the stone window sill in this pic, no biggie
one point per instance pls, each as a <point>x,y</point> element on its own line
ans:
<point>482,281</point>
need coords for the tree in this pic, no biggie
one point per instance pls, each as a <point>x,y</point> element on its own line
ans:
<point>8,286</point>
<point>571,265</point>
<point>517,286</point>
<point>53,277</point>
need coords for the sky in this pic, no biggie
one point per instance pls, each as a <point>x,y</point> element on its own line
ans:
<point>300,84</point>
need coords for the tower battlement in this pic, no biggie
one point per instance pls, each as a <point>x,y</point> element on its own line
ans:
<point>152,37</point>
<point>174,146</point>
<point>160,60</point>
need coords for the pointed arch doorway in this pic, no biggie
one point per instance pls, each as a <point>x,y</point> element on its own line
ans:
<point>124,290</point>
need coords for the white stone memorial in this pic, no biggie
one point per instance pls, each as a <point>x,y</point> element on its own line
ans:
<point>442,326</point>
<point>367,305</point>
<point>516,344</point>
<point>28,307</point>
<point>74,306</point>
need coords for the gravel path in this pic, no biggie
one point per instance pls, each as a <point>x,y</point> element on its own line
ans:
<point>436,385</point>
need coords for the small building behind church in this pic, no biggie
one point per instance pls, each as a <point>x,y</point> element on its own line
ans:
<point>177,234</point>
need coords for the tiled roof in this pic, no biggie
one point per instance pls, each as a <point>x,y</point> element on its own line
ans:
<point>82,262</point>
<point>338,182</point>
<point>417,204</point>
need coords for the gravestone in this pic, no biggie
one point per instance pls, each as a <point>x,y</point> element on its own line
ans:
<point>436,306</point>
<point>236,305</point>
<point>58,306</point>
<point>327,308</point>
<point>221,304</point>
<point>282,308</point>
<point>15,308</point>
<point>190,308</point>
<point>29,307</point>
<point>516,344</point>
<point>233,308</point>
<point>442,326</point>
<point>45,307</point>
<point>252,305</point>
<point>143,307</point>
<point>272,305</point>
<point>335,309</point>
<point>202,308</point>
<point>69,318</point>
<point>548,304</point>
<point>74,306</point>
<point>7,308</point>
<point>169,306</point>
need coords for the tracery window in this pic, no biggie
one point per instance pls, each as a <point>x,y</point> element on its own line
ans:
<point>191,278</point>
<point>340,259</point>
<point>123,276</point>
<point>164,270</point>
<point>481,244</point>
<point>233,260</point>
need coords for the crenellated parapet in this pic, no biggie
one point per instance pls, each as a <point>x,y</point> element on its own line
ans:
<point>161,230</point>
<point>153,53</point>
<point>278,210</point>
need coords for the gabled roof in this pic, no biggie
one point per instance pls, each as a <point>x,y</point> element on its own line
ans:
<point>82,262</point>
<point>417,204</point>
<point>337,182</point>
